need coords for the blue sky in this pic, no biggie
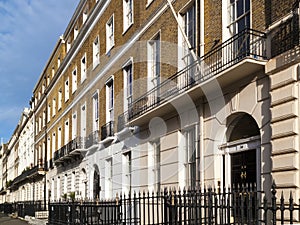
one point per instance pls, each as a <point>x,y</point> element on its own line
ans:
<point>29,30</point>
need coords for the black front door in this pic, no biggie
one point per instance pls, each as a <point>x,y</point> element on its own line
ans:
<point>243,167</point>
<point>243,173</point>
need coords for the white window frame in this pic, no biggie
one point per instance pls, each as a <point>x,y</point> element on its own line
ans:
<point>53,107</point>
<point>68,45</point>
<point>109,177</point>
<point>96,111</point>
<point>76,31</point>
<point>233,19</point>
<point>74,80</point>
<point>53,143</point>
<point>59,99</point>
<point>59,138</point>
<point>66,131</point>
<point>74,125</point>
<point>186,16</point>
<point>127,172</point>
<point>110,36</point>
<point>44,118</point>
<point>67,90</point>
<point>58,62</point>
<point>110,99</point>
<point>85,14</point>
<point>149,3</point>
<point>127,14</point>
<point>58,193</point>
<point>154,165</point>
<point>190,155</point>
<point>65,184</point>
<point>128,87</point>
<point>73,178</point>
<point>40,124</point>
<point>154,61</point>
<point>96,52</point>
<point>48,113</point>
<point>48,79</point>
<point>52,72</point>
<point>83,66</point>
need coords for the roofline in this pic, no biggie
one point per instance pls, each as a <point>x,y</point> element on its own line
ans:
<point>60,40</point>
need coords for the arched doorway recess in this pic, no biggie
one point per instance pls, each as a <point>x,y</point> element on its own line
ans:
<point>241,152</point>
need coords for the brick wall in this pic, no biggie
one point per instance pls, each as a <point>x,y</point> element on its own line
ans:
<point>213,23</point>
<point>277,9</point>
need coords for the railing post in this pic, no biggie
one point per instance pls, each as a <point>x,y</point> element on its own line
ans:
<point>274,207</point>
<point>291,207</point>
<point>165,207</point>
<point>210,209</point>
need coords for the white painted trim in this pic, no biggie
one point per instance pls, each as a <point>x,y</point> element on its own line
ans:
<point>111,63</point>
<point>126,28</point>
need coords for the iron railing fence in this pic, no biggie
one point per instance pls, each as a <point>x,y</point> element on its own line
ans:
<point>243,205</point>
<point>6,208</point>
<point>25,208</point>
<point>77,143</point>
<point>246,44</point>
<point>29,208</point>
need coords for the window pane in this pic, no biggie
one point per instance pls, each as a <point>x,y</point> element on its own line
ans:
<point>247,5</point>
<point>240,8</point>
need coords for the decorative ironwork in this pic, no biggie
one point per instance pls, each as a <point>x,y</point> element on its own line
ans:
<point>286,35</point>
<point>211,206</point>
<point>92,139</point>
<point>67,150</point>
<point>107,130</point>
<point>246,44</point>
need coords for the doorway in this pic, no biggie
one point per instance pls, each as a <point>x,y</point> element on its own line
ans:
<point>241,152</point>
<point>242,165</point>
<point>243,168</point>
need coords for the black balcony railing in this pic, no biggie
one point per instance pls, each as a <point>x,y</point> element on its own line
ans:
<point>27,174</point>
<point>107,130</point>
<point>67,150</point>
<point>246,44</point>
<point>92,139</point>
<point>286,36</point>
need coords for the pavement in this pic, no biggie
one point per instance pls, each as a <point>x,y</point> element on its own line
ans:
<point>7,220</point>
<point>34,221</point>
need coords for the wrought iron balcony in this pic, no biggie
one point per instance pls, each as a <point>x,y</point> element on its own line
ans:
<point>92,139</point>
<point>38,170</point>
<point>50,164</point>
<point>122,121</point>
<point>70,150</point>
<point>248,44</point>
<point>107,130</point>
<point>286,35</point>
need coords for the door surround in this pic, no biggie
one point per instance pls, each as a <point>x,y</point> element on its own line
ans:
<point>229,148</point>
